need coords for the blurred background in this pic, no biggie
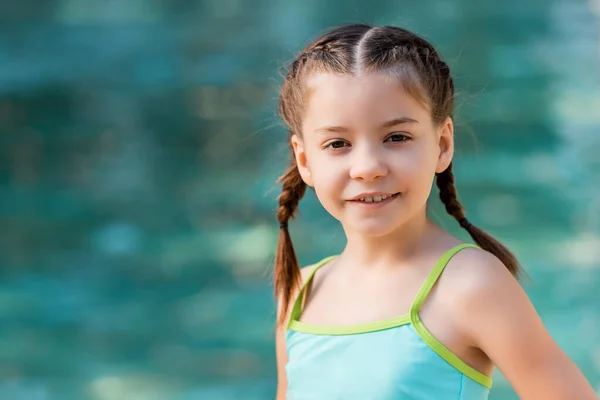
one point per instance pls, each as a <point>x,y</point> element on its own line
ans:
<point>138,159</point>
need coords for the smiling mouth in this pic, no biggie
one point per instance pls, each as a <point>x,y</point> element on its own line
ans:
<point>376,199</point>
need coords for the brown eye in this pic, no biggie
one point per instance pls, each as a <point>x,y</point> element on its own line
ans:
<point>337,144</point>
<point>398,138</point>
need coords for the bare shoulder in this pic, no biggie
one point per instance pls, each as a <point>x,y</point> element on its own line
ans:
<point>478,289</point>
<point>475,274</point>
<point>304,274</point>
<point>305,271</point>
<point>495,314</point>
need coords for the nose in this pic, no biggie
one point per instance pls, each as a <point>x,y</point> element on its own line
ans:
<point>367,164</point>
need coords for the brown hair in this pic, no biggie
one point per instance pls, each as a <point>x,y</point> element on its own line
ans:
<point>352,50</point>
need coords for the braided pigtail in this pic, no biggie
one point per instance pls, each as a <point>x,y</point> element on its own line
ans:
<point>287,269</point>
<point>445,182</point>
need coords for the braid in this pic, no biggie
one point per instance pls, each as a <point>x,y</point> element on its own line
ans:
<point>292,191</point>
<point>287,269</point>
<point>445,182</point>
<point>448,195</point>
<point>352,50</point>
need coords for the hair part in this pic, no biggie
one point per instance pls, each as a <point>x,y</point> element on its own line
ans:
<point>354,50</point>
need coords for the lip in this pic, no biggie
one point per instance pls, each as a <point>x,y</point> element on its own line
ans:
<point>372,194</point>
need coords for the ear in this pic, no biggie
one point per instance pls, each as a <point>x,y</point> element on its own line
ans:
<point>445,144</point>
<point>301,161</point>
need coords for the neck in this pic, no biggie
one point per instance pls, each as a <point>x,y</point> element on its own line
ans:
<point>392,249</point>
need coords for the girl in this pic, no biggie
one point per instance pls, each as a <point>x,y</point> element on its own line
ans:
<point>406,311</point>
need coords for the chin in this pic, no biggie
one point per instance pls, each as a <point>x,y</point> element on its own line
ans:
<point>373,229</point>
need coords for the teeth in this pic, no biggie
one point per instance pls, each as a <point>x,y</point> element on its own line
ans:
<point>374,199</point>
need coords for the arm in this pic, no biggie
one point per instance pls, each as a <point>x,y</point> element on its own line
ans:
<point>500,320</point>
<point>282,358</point>
<point>280,346</point>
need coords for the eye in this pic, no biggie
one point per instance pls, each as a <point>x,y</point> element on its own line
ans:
<point>398,138</point>
<point>336,144</point>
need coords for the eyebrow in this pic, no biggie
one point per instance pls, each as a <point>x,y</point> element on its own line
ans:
<point>387,124</point>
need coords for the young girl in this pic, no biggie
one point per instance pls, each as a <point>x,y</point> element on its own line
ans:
<point>406,311</point>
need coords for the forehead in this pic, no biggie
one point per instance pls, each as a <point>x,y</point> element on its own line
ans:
<point>359,101</point>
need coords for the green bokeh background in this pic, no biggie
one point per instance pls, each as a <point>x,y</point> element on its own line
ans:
<point>139,149</point>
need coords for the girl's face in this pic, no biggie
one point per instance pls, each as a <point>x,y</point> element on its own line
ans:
<point>365,137</point>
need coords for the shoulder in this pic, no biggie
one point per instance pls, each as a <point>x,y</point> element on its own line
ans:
<point>479,288</point>
<point>322,265</point>
<point>495,315</point>
<point>305,273</point>
<point>484,293</point>
<point>474,272</point>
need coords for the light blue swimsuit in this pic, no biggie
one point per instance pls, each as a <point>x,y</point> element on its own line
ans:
<point>393,359</point>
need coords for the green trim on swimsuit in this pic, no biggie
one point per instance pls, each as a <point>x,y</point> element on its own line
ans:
<point>411,318</point>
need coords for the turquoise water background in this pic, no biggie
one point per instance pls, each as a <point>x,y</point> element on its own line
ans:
<point>138,159</point>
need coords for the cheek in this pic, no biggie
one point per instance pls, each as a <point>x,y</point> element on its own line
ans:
<point>330,180</point>
<point>416,171</point>
<point>329,183</point>
<point>329,196</point>
<point>324,170</point>
<point>418,162</point>
<point>423,171</point>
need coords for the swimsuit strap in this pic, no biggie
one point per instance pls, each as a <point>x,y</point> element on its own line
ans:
<point>297,309</point>
<point>434,276</point>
